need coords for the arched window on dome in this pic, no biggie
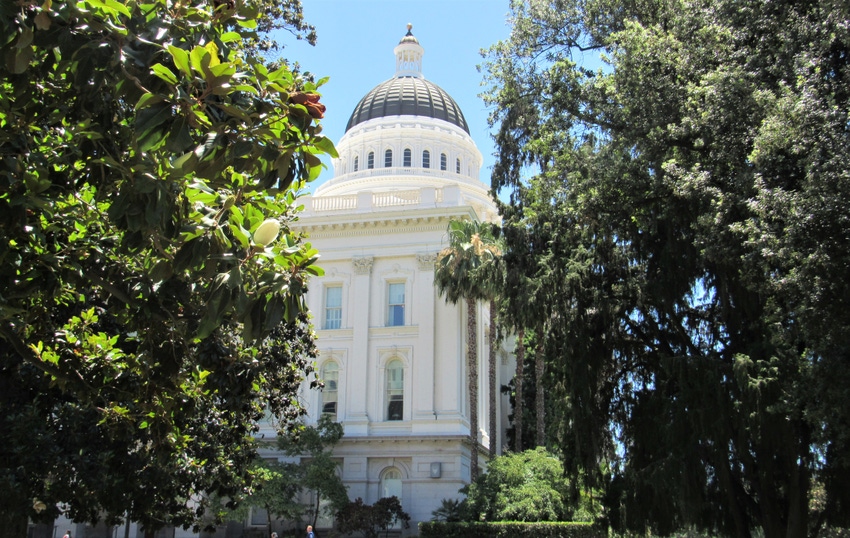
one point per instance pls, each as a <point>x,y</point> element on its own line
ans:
<point>356,164</point>
<point>330,394</point>
<point>426,159</point>
<point>443,162</point>
<point>388,158</point>
<point>395,390</point>
<point>408,157</point>
<point>370,160</point>
<point>457,166</point>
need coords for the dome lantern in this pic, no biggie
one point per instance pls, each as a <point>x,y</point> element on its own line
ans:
<point>408,56</point>
<point>408,93</point>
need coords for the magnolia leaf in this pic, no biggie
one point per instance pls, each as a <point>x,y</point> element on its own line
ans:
<point>181,59</point>
<point>326,144</point>
<point>164,73</point>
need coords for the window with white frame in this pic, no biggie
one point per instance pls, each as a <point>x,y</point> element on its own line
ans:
<point>330,394</point>
<point>395,304</point>
<point>443,162</point>
<point>388,158</point>
<point>457,166</point>
<point>370,160</point>
<point>333,307</point>
<point>395,390</point>
<point>426,159</point>
<point>408,157</point>
<point>356,163</point>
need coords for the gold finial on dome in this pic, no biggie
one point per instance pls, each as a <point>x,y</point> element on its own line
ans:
<point>409,37</point>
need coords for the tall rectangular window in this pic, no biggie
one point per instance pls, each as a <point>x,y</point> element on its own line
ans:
<point>395,390</point>
<point>333,307</point>
<point>388,158</point>
<point>442,161</point>
<point>330,394</point>
<point>426,159</point>
<point>395,304</point>
<point>370,161</point>
<point>408,157</point>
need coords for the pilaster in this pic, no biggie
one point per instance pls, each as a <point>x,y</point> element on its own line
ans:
<point>423,373</point>
<point>357,421</point>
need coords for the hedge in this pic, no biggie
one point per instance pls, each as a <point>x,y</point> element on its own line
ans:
<point>509,529</point>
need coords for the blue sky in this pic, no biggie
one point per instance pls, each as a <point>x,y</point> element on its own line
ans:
<point>355,49</point>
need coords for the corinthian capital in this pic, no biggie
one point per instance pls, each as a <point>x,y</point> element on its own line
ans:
<point>426,261</point>
<point>362,265</point>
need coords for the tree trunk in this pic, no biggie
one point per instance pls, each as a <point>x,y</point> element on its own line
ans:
<point>472,364</point>
<point>492,379</point>
<point>518,407</point>
<point>539,392</point>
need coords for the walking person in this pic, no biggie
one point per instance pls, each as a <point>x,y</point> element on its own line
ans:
<point>310,533</point>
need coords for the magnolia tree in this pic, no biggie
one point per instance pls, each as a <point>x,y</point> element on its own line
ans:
<point>151,292</point>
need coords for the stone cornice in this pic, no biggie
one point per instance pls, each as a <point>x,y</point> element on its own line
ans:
<point>350,225</point>
<point>413,438</point>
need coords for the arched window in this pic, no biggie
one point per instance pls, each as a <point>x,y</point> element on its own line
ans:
<point>388,158</point>
<point>330,394</point>
<point>356,163</point>
<point>408,156</point>
<point>395,390</point>
<point>426,159</point>
<point>443,162</point>
<point>457,166</point>
<point>391,487</point>
<point>391,483</point>
<point>370,160</point>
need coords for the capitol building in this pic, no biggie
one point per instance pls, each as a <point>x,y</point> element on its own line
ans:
<point>392,352</point>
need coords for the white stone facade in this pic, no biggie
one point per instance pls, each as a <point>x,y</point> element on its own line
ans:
<point>395,349</point>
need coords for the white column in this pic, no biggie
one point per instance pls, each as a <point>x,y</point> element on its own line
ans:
<point>357,419</point>
<point>423,355</point>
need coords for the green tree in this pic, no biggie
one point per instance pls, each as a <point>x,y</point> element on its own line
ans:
<point>151,294</point>
<point>492,279</point>
<point>319,471</point>
<point>370,520</point>
<point>450,510</point>
<point>277,485</point>
<point>526,486</point>
<point>690,198</point>
<point>520,311</point>
<point>275,490</point>
<point>459,276</point>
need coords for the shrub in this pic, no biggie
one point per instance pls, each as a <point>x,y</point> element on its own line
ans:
<point>509,529</point>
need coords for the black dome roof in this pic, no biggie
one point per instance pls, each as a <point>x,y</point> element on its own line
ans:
<point>407,96</point>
